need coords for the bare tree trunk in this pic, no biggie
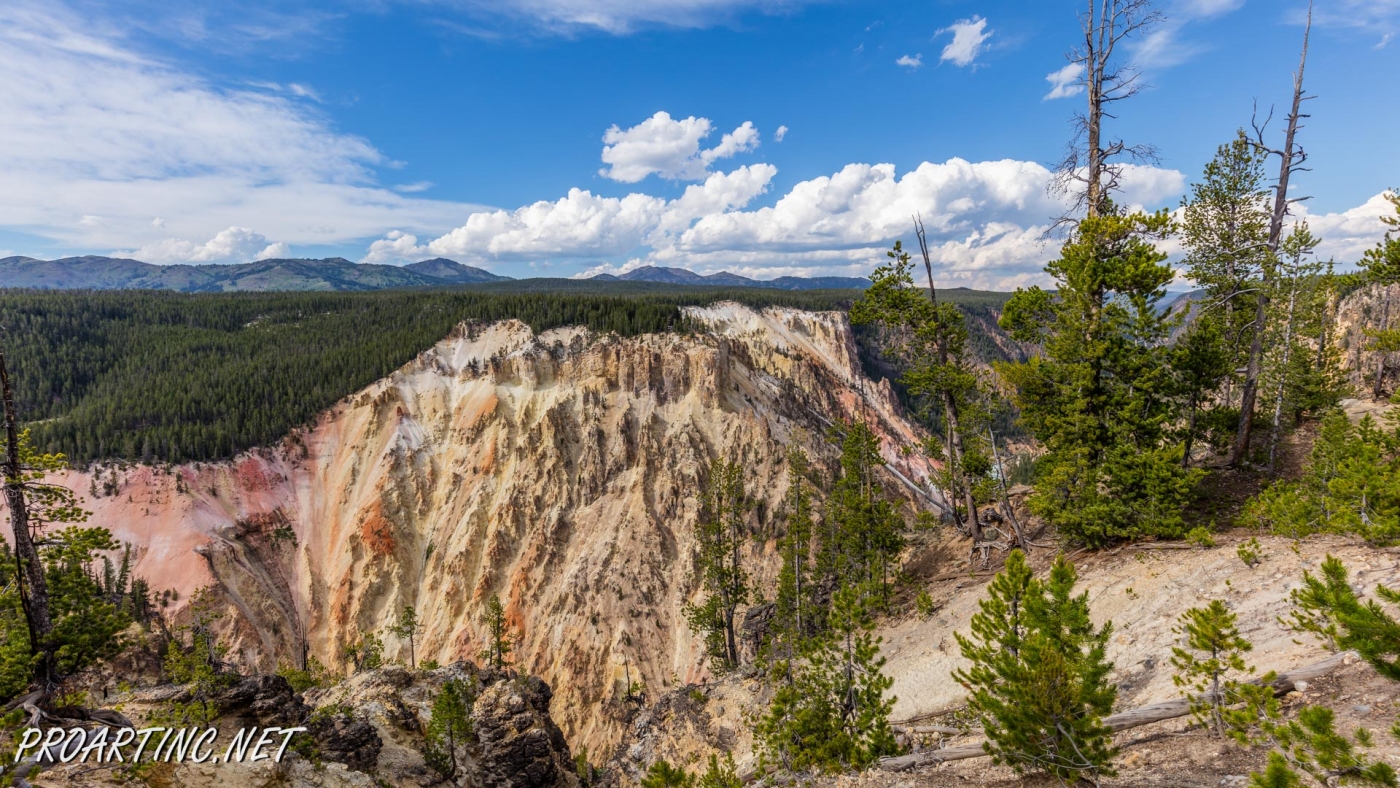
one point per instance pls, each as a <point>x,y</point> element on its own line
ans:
<point>1104,25</point>
<point>1005,497</point>
<point>1287,165</point>
<point>1190,434</point>
<point>950,406</point>
<point>35,598</point>
<point>1378,386</point>
<point>1093,192</point>
<point>1283,374</point>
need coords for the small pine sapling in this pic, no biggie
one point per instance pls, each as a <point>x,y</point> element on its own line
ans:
<point>449,727</point>
<point>1210,662</point>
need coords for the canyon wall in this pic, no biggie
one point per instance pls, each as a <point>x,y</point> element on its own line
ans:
<point>561,471</point>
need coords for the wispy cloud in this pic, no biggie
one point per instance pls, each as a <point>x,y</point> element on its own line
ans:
<point>100,137</point>
<point>969,36</point>
<point>910,62</point>
<point>1066,82</point>
<point>621,17</point>
<point>1170,43</point>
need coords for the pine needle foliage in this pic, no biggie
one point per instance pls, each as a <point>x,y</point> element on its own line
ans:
<point>721,773</point>
<point>1276,775</point>
<point>833,714</point>
<point>1039,676</point>
<point>1210,662</point>
<point>1311,744</point>
<point>662,774</point>
<point>1328,607</point>
<point>1350,485</point>
<point>719,568</point>
<point>1102,398</point>
<point>449,727</point>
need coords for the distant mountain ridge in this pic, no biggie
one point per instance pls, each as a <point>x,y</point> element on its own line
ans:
<point>330,274</point>
<point>682,276</point>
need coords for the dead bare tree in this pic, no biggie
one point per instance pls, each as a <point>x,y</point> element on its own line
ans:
<point>1093,166</point>
<point>950,402</point>
<point>1291,159</point>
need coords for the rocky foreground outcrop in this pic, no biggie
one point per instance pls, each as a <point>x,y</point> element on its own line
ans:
<point>560,471</point>
<point>367,730</point>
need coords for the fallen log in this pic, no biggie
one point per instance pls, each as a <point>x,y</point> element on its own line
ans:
<point>1123,720</point>
<point>920,730</point>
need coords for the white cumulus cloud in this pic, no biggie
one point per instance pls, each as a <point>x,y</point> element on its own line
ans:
<point>662,145</point>
<point>911,63</point>
<point>234,245</point>
<point>780,133</point>
<point>986,221</point>
<point>969,35</point>
<point>1347,234</point>
<point>581,224</point>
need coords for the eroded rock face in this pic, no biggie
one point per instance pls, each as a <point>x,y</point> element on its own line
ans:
<point>561,472</point>
<point>344,738</point>
<point>521,747</point>
<point>262,701</point>
<point>1363,309</point>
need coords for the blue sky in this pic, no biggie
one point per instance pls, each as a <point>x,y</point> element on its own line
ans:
<point>527,137</point>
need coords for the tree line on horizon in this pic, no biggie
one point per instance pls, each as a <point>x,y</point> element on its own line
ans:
<point>153,376</point>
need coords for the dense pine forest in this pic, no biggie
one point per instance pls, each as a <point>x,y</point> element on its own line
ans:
<point>154,375</point>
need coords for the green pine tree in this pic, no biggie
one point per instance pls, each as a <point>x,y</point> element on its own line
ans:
<point>449,728</point>
<point>1327,606</point>
<point>1039,676</point>
<point>1210,662</point>
<point>719,566</point>
<point>367,653</point>
<point>407,627</point>
<point>498,641</point>
<point>1350,484</point>
<point>1200,361</point>
<point>721,773</point>
<point>1102,398</point>
<point>793,616</point>
<point>662,774</point>
<point>1225,230</point>
<point>199,666</point>
<point>833,714</point>
<point>1382,269</point>
<point>862,533</point>
<point>930,337</point>
<point>1311,744</point>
